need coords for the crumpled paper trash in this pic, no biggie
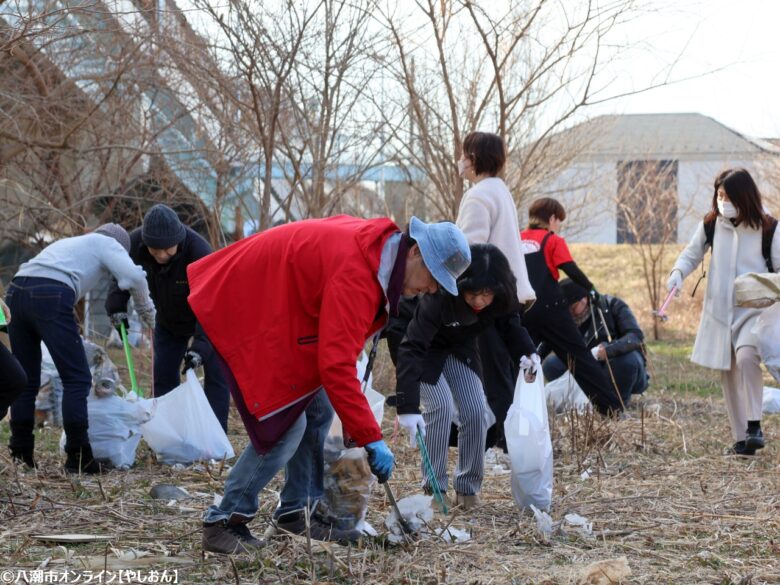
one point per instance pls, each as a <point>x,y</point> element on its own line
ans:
<point>609,572</point>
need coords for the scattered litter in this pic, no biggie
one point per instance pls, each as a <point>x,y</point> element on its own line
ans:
<point>366,528</point>
<point>607,572</point>
<point>497,462</point>
<point>416,510</point>
<point>452,534</point>
<point>586,474</point>
<point>544,523</point>
<point>167,491</point>
<point>74,537</point>
<point>217,500</point>
<point>579,524</point>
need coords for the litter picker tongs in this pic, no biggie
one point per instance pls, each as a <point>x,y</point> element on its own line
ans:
<point>661,313</point>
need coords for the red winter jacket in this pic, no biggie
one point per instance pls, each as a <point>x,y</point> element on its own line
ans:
<point>290,310</point>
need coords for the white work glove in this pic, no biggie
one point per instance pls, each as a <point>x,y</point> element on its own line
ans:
<point>147,314</point>
<point>530,366</point>
<point>675,281</point>
<point>412,423</point>
<point>595,351</point>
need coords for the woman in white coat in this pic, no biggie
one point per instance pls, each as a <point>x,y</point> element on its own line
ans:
<point>725,339</point>
<point>488,215</point>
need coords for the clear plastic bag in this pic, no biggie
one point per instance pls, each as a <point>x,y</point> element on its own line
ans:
<point>528,440</point>
<point>767,329</point>
<point>348,478</point>
<point>183,428</point>
<point>115,428</point>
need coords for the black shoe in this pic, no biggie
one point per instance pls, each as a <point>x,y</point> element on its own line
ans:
<point>228,539</point>
<point>80,460</point>
<point>740,448</point>
<point>319,529</point>
<point>22,443</point>
<point>755,439</point>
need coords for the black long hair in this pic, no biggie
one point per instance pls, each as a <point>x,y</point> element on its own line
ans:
<point>744,194</point>
<point>489,269</point>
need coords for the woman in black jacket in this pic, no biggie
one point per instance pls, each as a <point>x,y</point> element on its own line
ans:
<point>438,365</point>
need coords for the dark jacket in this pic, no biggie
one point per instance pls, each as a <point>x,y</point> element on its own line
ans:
<point>440,326</point>
<point>168,284</point>
<point>620,321</point>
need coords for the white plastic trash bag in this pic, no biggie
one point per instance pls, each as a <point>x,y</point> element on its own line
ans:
<point>115,428</point>
<point>771,402</point>
<point>767,330</point>
<point>183,428</point>
<point>527,433</point>
<point>565,394</point>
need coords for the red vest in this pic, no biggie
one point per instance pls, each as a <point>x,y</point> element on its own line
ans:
<point>290,310</point>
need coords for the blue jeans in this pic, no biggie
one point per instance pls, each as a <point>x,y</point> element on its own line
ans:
<point>42,310</point>
<point>299,451</point>
<point>628,369</point>
<point>169,352</point>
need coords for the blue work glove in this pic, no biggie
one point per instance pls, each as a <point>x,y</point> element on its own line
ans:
<point>380,460</point>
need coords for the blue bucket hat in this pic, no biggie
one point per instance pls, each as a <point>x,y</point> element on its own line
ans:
<point>445,251</point>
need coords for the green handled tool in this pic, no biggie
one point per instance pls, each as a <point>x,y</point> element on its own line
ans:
<point>129,356</point>
<point>2,318</point>
<point>431,474</point>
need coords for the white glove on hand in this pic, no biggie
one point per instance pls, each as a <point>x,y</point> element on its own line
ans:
<point>595,351</point>
<point>529,365</point>
<point>412,422</point>
<point>147,313</point>
<point>675,281</point>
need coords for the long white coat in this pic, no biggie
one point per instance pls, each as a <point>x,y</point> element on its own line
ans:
<point>724,327</point>
<point>488,215</point>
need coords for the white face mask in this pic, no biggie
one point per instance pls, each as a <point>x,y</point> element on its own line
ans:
<point>462,168</point>
<point>727,209</point>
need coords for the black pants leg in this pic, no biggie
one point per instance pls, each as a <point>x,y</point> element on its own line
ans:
<point>629,372</point>
<point>13,380</point>
<point>169,353</point>
<point>555,326</point>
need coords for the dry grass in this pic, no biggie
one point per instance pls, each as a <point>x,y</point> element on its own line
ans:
<point>660,493</point>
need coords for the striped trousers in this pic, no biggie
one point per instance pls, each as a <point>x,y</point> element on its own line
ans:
<point>457,392</point>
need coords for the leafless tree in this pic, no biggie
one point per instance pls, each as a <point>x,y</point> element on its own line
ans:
<point>521,69</point>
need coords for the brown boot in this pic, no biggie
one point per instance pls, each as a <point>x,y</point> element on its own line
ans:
<point>230,537</point>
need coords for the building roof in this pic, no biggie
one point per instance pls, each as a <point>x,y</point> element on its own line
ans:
<point>688,136</point>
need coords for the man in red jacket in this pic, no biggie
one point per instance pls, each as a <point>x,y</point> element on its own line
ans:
<point>288,311</point>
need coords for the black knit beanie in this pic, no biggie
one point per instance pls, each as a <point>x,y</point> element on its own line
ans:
<point>162,228</point>
<point>572,291</point>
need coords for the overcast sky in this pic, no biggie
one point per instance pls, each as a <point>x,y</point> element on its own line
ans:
<point>736,41</point>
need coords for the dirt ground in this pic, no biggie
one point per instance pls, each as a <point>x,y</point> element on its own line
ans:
<point>655,485</point>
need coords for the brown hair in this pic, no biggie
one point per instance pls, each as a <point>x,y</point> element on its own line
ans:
<point>743,194</point>
<point>486,151</point>
<point>543,209</point>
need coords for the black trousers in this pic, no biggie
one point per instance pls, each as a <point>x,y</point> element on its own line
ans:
<point>554,325</point>
<point>13,380</point>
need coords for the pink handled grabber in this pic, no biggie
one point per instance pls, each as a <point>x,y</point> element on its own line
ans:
<point>661,313</point>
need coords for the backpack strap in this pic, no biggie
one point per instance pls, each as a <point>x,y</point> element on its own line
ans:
<point>767,235</point>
